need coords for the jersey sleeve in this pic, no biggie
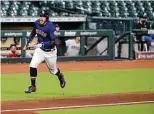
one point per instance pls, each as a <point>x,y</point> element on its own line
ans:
<point>52,29</point>
<point>33,33</point>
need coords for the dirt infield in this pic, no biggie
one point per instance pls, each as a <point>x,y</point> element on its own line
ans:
<point>31,106</point>
<point>78,66</point>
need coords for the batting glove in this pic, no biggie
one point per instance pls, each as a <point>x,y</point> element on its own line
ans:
<point>38,45</point>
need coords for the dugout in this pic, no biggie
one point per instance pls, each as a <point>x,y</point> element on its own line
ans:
<point>109,34</point>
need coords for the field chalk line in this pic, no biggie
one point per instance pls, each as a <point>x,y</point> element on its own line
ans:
<point>78,106</point>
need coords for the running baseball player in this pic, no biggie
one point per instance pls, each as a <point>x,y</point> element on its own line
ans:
<point>45,49</point>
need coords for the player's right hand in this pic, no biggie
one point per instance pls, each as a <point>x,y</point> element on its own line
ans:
<point>25,47</point>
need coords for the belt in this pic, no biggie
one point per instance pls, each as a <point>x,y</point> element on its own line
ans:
<point>48,50</point>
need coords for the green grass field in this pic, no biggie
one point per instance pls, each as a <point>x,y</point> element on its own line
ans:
<point>125,109</point>
<point>78,83</point>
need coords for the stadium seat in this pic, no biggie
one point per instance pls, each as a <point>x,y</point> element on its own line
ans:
<point>96,9</point>
<point>61,4</point>
<point>69,5</point>
<point>86,3</point>
<point>112,4</point>
<point>51,3</point>
<point>107,8</point>
<point>150,14</point>
<point>33,11</point>
<point>43,3</point>
<point>123,11</point>
<point>121,3</point>
<point>114,14</point>
<point>152,4</point>
<point>3,13</point>
<point>104,4</point>
<point>12,13</point>
<point>132,14</point>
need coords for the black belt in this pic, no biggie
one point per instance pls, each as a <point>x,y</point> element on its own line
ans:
<point>48,50</point>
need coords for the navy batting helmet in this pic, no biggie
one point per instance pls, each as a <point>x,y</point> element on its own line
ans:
<point>44,13</point>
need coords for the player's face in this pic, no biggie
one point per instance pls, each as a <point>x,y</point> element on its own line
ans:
<point>142,19</point>
<point>78,39</point>
<point>57,28</point>
<point>42,20</point>
<point>13,49</point>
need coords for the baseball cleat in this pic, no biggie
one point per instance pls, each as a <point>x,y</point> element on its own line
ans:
<point>62,80</point>
<point>30,89</point>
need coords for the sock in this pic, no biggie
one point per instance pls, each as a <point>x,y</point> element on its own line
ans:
<point>58,73</point>
<point>33,82</point>
<point>33,75</point>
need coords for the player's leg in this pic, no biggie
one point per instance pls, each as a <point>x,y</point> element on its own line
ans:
<point>148,40</point>
<point>37,58</point>
<point>152,42</point>
<point>51,63</point>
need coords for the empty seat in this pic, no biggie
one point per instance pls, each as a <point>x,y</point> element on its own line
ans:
<point>104,4</point>
<point>61,4</point>
<point>106,8</point>
<point>43,3</point>
<point>34,11</point>
<point>69,5</point>
<point>12,13</point>
<point>3,13</point>
<point>106,14</point>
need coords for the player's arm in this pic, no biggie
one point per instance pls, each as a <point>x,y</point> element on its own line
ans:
<point>67,42</point>
<point>31,37</point>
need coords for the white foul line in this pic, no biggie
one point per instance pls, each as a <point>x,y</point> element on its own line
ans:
<point>78,106</point>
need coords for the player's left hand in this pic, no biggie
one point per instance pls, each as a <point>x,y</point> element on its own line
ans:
<point>37,45</point>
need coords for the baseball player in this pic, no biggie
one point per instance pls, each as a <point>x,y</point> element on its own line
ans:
<point>73,47</point>
<point>45,49</point>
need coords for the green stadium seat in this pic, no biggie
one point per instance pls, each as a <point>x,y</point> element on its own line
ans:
<point>23,12</point>
<point>121,3</point>
<point>12,13</point>
<point>54,14</point>
<point>115,14</point>
<point>87,3</point>
<point>44,8</point>
<point>51,4</point>
<point>6,5</point>
<point>3,13</point>
<point>123,14</point>
<point>146,3</point>
<point>137,3</point>
<point>104,4</point>
<point>123,11</point>
<point>3,8</point>
<point>34,11</point>
<point>106,8</point>
<point>69,5</point>
<point>133,14</point>
<point>61,4</point>
<point>5,2</point>
<point>43,3</point>
<point>106,14</point>
<point>149,13</point>
<point>112,4</point>
<point>152,4</point>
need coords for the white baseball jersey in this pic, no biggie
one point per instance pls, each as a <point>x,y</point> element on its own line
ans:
<point>73,48</point>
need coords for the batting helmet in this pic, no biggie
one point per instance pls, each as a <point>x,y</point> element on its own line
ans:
<point>44,13</point>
